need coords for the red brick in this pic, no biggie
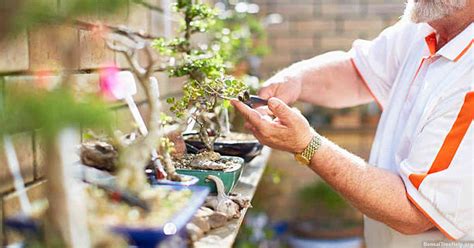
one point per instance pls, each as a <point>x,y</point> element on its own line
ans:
<point>366,24</point>
<point>24,150</point>
<point>139,18</point>
<point>386,9</point>
<point>168,85</point>
<point>342,10</point>
<point>49,48</point>
<point>335,43</point>
<point>124,120</point>
<point>314,26</point>
<point>295,10</point>
<point>13,82</point>
<point>14,53</point>
<point>85,84</point>
<point>94,51</point>
<point>285,44</point>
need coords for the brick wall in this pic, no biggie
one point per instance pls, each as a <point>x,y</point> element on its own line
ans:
<point>33,51</point>
<point>312,27</point>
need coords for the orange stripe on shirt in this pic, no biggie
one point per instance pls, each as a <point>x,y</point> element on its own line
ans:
<point>464,51</point>
<point>451,142</point>
<point>441,229</point>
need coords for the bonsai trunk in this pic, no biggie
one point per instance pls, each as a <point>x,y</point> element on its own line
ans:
<point>138,155</point>
<point>66,221</point>
<point>204,125</point>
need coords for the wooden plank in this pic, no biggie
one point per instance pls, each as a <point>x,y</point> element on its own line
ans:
<point>225,236</point>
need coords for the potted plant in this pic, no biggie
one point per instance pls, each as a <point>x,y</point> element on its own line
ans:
<point>103,153</point>
<point>54,110</point>
<point>207,91</point>
<point>324,216</point>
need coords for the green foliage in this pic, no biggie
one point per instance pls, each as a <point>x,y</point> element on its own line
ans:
<point>167,145</point>
<point>29,13</point>
<point>170,47</point>
<point>207,87</point>
<point>50,111</point>
<point>239,35</point>
<point>165,119</point>
<point>198,16</point>
<point>323,195</point>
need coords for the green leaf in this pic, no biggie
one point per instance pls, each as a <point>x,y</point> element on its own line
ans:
<point>29,109</point>
<point>226,104</point>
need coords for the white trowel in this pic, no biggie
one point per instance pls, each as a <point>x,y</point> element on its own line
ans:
<point>18,182</point>
<point>125,90</point>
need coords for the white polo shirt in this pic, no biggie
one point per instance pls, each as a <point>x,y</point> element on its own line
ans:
<point>426,132</point>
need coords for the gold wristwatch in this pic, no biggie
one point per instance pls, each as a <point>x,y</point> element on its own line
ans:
<point>305,157</point>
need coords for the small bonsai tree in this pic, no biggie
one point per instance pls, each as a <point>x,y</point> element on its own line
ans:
<point>207,87</point>
<point>52,112</point>
<point>133,158</point>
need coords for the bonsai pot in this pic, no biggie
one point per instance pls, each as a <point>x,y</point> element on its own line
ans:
<point>137,236</point>
<point>229,176</point>
<point>246,149</point>
<point>189,180</point>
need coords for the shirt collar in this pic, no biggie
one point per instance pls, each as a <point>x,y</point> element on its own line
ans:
<point>456,47</point>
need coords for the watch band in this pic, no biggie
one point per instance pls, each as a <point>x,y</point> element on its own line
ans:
<point>312,147</point>
<point>308,153</point>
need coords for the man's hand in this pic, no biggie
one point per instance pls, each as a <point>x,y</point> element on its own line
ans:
<point>286,88</point>
<point>288,131</point>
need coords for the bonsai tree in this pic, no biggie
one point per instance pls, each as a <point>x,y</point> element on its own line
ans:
<point>52,112</point>
<point>207,87</point>
<point>134,157</point>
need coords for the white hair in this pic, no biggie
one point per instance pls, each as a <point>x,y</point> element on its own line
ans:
<point>431,10</point>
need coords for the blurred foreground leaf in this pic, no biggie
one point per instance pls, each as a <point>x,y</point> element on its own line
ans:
<point>16,15</point>
<point>29,109</point>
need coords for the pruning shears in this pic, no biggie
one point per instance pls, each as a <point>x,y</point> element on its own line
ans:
<point>252,101</point>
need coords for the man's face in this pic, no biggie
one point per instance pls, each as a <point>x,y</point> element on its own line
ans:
<point>430,10</point>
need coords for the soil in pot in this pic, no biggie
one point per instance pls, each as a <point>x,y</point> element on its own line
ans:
<point>201,165</point>
<point>234,144</point>
<point>109,216</point>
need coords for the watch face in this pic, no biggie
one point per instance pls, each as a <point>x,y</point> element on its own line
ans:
<point>301,159</point>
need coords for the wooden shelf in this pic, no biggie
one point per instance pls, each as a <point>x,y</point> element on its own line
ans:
<point>225,236</point>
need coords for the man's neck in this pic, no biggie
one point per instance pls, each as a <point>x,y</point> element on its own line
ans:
<point>449,27</point>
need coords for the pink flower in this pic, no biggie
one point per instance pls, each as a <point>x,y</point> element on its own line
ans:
<point>44,79</point>
<point>109,82</point>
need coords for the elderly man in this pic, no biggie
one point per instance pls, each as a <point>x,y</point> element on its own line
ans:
<point>419,183</point>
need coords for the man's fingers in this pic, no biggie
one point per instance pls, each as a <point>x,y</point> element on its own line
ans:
<point>252,116</point>
<point>280,110</point>
<point>249,126</point>
<point>266,92</point>
<point>264,110</point>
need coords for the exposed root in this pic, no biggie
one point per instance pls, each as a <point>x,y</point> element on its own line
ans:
<point>222,203</point>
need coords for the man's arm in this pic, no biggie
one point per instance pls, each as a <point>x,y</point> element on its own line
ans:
<point>328,80</point>
<point>377,193</point>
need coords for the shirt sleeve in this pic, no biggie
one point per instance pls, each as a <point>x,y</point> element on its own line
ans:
<point>378,61</point>
<point>439,170</point>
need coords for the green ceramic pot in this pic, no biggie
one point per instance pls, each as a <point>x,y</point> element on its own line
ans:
<point>229,177</point>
